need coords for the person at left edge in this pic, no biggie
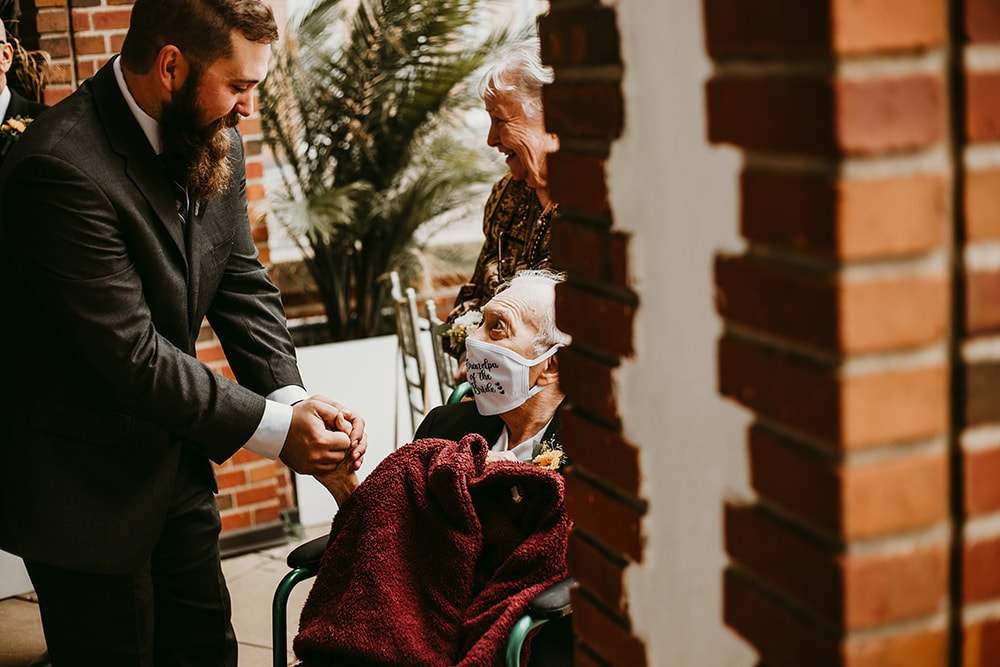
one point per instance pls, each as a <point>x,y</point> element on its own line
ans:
<point>124,224</point>
<point>12,103</point>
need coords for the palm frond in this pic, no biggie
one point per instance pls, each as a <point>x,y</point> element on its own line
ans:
<point>360,110</point>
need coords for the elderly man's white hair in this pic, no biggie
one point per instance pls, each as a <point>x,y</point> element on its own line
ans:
<point>543,282</point>
<point>520,70</point>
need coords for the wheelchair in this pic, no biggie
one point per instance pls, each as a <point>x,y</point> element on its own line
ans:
<point>551,604</point>
<point>303,561</point>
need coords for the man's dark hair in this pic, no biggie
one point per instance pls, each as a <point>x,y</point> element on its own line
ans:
<point>201,29</point>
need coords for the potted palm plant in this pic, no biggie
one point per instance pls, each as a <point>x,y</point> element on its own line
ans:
<point>360,111</point>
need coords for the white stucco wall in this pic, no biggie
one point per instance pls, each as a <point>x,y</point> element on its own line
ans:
<point>678,197</point>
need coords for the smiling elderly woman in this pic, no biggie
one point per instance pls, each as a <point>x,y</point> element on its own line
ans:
<point>518,215</point>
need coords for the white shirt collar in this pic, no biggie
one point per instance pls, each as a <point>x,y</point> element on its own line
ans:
<point>4,101</point>
<point>150,126</point>
<point>522,450</point>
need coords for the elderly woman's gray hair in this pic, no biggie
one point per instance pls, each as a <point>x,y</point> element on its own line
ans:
<point>542,279</point>
<point>520,70</point>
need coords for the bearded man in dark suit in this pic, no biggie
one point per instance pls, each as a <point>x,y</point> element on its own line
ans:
<point>124,225</point>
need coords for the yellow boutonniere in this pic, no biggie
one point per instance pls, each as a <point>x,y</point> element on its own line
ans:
<point>11,131</point>
<point>550,456</point>
<point>15,125</point>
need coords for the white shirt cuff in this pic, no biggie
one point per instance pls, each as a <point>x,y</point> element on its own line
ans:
<point>272,430</point>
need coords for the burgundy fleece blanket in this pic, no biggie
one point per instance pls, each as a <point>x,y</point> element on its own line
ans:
<point>435,557</point>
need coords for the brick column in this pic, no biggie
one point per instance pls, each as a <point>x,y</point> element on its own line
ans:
<point>979,217</point>
<point>596,305</point>
<point>80,36</point>
<point>55,37</point>
<point>837,325</point>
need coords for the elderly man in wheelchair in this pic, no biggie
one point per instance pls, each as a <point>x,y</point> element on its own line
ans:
<point>453,548</point>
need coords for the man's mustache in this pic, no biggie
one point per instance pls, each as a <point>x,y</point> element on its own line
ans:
<point>231,119</point>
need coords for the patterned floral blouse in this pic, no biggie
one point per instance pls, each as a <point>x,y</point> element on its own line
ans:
<point>518,230</point>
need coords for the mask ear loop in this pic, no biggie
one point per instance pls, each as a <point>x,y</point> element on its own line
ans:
<point>552,350</point>
<point>537,360</point>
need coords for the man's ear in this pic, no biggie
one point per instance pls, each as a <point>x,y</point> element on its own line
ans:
<point>172,68</point>
<point>550,371</point>
<point>6,57</point>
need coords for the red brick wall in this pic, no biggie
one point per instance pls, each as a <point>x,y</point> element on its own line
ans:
<point>861,326</point>
<point>80,36</point>
<point>596,306</point>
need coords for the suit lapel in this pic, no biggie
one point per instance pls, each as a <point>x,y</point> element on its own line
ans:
<point>142,166</point>
<point>551,433</point>
<point>22,106</point>
<point>491,429</point>
<point>15,107</point>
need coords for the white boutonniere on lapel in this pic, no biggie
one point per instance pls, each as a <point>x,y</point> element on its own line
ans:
<point>460,329</point>
<point>11,131</point>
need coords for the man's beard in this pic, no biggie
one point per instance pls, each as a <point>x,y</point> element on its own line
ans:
<point>197,155</point>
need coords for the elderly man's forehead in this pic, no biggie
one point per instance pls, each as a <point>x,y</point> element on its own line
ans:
<point>501,308</point>
<point>517,302</point>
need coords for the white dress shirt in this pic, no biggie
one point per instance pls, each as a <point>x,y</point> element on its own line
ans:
<point>521,451</point>
<point>4,101</point>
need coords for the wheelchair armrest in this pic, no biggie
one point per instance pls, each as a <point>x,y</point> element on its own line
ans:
<point>308,554</point>
<point>553,602</point>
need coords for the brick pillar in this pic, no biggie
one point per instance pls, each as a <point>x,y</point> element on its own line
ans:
<point>596,306</point>
<point>55,37</point>
<point>80,36</point>
<point>979,413</point>
<point>837,326</point>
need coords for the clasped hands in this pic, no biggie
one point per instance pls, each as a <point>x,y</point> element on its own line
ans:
<point>323,435</point>
<point>328,441</point>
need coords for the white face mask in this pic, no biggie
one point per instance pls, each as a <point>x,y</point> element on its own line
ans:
<point>499,377</point>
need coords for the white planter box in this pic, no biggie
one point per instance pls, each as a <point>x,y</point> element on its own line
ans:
<point>13,577</point>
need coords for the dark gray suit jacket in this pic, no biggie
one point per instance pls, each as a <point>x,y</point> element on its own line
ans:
<point>22,106</point>
<point>18,106</point>
<point>105,292</point>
